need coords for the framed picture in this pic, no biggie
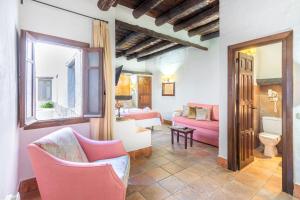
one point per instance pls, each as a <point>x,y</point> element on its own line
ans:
<point>168,89</point>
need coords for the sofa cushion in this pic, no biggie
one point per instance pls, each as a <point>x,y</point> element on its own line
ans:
<point>203,114</point>
<point>185,111</point>
<point>63,144</point>
<point>121,165</point>
<point>192,113</point>
<point>215,113</point>
<point>211,125</point>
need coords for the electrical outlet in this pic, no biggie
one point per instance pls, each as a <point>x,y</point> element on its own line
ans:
<point>297,115</point>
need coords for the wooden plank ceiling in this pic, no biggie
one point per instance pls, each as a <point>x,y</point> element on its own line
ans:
<point>197,17</point>
<point>137,42</point>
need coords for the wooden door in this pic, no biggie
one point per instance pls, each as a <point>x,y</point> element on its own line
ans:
<point>245,102</point>
<point>144,91</point>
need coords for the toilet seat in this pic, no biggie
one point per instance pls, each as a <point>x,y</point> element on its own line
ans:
<point>269,136</point>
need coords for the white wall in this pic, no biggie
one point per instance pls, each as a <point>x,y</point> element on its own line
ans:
<point>46,20</point>
<point>131,65</point>
<point>269,61</point>
<point>8,100</point>
<point>195,73</point>
<point>245,20</point>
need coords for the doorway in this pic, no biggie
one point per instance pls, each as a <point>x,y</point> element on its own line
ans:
<point>234,103</point>
<point>144,92</point>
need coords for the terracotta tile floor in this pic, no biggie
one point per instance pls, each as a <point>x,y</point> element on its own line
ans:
<point>173,173</point>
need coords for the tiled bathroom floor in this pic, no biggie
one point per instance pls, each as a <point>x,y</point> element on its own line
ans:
<point>173,173</point>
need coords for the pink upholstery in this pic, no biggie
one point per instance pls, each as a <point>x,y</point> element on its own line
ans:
<point>206,131</point>
<point>61,180</point>
<point>210,125</point>
<point>215,113</point>
<point>214,109</point>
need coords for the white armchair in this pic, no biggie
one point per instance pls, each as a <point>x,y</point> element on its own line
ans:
<point>176,113</point>
<point>133,137</point>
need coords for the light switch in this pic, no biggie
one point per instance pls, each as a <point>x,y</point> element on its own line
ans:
<point>297,115</point>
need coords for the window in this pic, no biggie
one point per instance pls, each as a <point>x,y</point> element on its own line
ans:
<point>69,80</point>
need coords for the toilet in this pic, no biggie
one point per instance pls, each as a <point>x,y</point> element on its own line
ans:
<point>272,127</point>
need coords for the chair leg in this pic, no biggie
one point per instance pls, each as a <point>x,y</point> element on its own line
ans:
<point>185,141</point>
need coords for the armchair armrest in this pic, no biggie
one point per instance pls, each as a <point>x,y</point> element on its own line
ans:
<point>99,150</point>
<point>177,113</point>
<point>59,179</point>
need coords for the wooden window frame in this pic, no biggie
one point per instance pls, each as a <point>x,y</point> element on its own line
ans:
<point>85,83</point>
<point>287,104</point>
<point>39,37</point>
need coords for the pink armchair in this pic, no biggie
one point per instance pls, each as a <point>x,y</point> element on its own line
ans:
<point>70,166</point>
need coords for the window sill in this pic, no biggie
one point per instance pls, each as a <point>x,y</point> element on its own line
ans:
<point>55,122</point>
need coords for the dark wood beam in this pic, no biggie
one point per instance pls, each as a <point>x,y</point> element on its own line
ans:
<point>182,10</point>
<point>153,49</point>
<point>205,28</point>
<point>120,54</point>
<point>178,46</point>
<point>115,4</point>
<point>105,4</point>
<point>198,20</point>
<point>145,6</point>
<point>126,39</point>
<point>132,56</point>
<point>143,45</point>
<point>210,36</point>
<point>158,35</point>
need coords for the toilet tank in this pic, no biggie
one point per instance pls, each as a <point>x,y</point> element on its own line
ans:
<point>272,125</point>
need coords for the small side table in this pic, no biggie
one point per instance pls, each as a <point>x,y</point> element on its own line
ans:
<point>182,130</point>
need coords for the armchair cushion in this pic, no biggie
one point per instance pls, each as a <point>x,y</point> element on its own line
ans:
<point>121,165</point>
<point>63,144</point>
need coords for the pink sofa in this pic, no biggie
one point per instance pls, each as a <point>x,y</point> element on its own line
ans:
<point>206,131</point>
<point>70,166</point>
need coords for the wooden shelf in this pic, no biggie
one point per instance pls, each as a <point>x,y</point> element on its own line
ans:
<point>269,81</point>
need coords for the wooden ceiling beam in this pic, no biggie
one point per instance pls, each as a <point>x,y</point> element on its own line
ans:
<point>182,10</point>
<point>126,39</point>
<point>120,54</point>
<point>178,46</point>
<point>131,56</point>
<point>210,36</point>
<point>153,49</point>
<point>205,28</point>
<point>105,5</point>
<point>115,4</point>
<point>154,34</point>
<point>145,6</point>
<point>143,45</point>
<point>199,20</point>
